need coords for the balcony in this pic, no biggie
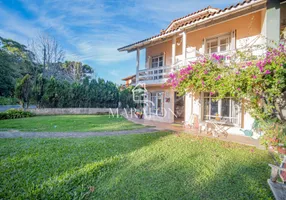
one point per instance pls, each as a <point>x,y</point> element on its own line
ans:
<point>154,75</point>
<point>159,75</point>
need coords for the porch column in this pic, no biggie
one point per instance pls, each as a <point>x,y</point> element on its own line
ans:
<point>184,44</point>
<point>174,50</point>
<point>137,65</point>
<point>272,22</point>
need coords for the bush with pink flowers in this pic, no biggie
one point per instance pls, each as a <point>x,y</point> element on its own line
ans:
<point>261,82</point>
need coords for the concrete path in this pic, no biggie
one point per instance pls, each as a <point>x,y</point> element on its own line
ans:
<point>72,134</point>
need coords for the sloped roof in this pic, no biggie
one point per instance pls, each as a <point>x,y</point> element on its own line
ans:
<point>129,77</point>
<point>200,13</point>
<point>171,31</point>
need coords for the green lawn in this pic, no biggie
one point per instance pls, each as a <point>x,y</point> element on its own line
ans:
<point>147,166</point>
<point>65,123</point>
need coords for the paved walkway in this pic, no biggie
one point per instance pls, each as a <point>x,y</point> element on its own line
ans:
<point>179,128</point>
<point>156,126</point>
<point>72,134</point>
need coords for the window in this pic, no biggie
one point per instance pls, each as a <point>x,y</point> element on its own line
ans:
<point>157,61</point>
<point>157,103</point>
<point>227,110</point>
<point>218,44</point>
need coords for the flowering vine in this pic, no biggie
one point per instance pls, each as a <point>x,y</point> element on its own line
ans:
<point>260,81</point>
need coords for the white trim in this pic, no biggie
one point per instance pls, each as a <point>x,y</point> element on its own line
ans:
<point>174,50</point>
<point>204,20</point>
<point>218,40</point>
<point>157,97</point>
<point>158,61</point>
<point>184,45</point>
<point>219,107</point>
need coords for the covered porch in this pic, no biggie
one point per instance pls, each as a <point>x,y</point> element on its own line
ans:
<point>161,126</point>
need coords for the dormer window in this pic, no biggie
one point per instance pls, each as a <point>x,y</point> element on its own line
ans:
<point>157,61</point>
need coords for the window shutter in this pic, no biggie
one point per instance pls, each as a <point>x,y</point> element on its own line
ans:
<point>233,40</point>
<point>148,62</point>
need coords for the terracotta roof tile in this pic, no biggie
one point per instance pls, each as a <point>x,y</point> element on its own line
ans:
<point>191,21</point>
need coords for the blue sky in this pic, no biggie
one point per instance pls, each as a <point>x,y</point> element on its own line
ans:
<point>90,31</point>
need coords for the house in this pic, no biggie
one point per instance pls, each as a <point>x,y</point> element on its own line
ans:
<point>130,80</point>
<point>206,31</point>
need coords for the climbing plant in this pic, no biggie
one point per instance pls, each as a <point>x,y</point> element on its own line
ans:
<point>260,81</point>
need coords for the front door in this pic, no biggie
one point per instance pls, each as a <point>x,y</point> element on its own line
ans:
<point>179,108</point>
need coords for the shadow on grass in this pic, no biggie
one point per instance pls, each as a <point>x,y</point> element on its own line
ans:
<point>149,166</point>
<point>223,171</point>
<point>62,168</point>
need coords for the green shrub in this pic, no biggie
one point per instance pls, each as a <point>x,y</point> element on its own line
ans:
<point>14,114</point>
<point>8,101</point>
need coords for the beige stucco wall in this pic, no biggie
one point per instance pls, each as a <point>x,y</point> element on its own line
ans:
<point>162,48</point>
<point>246,27</point>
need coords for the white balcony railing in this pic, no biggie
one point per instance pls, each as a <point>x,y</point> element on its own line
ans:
<point>160,75</point>
<point>154,75</point>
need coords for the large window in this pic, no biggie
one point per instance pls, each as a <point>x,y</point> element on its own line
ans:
<point>226,110</point>
<point>157,103</point>
<point>218,44</point>
<point>157,61</point>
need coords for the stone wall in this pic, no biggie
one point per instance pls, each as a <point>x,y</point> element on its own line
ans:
<point>73,111</point>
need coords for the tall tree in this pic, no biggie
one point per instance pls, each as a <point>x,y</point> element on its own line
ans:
<point>23,91</point>
<point>47,50</point>
<point>49,54</point>
<point>15,62</point>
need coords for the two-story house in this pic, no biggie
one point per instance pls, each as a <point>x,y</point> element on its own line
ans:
<point>206,31</point>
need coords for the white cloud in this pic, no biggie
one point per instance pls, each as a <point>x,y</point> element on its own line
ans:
<point>93,30</point>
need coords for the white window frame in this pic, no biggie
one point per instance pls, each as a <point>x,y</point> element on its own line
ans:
<point>231,119</point>
<point>218,39</point>
<point>154,105</point>
<point>158,61</point>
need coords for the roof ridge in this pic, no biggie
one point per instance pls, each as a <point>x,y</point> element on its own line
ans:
<point>194,20</point>
<point>190,14</point>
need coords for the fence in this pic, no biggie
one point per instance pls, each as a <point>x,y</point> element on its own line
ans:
<point>73,111</point>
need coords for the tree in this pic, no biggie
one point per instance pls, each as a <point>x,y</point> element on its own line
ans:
<point>8,74</point>
<point>47,50</point>
<point>15,62</point>
<point>76,70</point>
<point>49,54</point>
<point>126,98</point>
<point>23,91</point>
<point>38,89</point>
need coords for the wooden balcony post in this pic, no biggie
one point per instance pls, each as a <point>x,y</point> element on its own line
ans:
<point>137,65</point>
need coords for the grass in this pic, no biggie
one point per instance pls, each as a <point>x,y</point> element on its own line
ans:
<point>147,166</point>
<point>65,123</point>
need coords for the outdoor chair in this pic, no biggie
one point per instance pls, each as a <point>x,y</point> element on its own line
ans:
<point>216,128</point>
<point>278,188</point>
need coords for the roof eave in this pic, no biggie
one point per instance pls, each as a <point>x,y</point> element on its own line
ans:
<point>139,44</point>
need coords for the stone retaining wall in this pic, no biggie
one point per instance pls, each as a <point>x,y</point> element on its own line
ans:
<point>73,111</point>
